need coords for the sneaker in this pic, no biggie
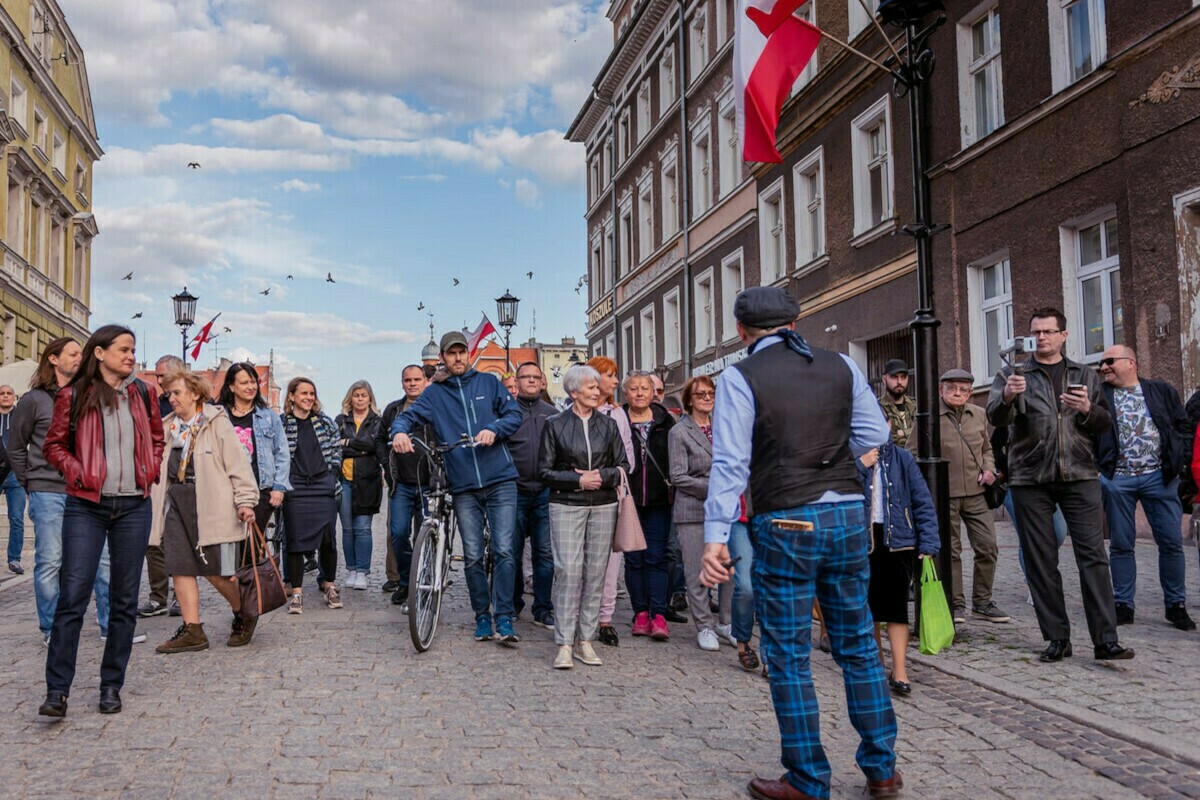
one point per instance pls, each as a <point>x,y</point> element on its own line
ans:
<point>505,632</point>
<point>545,621</point>
<point>400,596</point>
<point>351,577</point>
<point>678,602</point>
<point>188,638</point>
<point>585,654</point>
<point>152,608</point>
<point>1178,616</point>
<point>706,639</point>
<point>310,564</point>
<point>959,614</point>
<point>296,604</point>
<point>361,580</point>
<point>990,613</point>
<point>45,640</point>
<point>562,660</point>
<point>15,568</point>
<point>1124,614</point>
<point>173,609</point>
<point>725,634</point>
<point>332,598</point>
<point>608,635</point>
<point>483,628</point>
<point>658,629</point>
<point>641,624</point>
<point>1029,598</point>
<point>138,638</point>
<point>390,586</point>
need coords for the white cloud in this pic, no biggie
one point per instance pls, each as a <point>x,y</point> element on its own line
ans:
<point>166,159</point>
<point>304,331</point>
<point>527,193</point>
<point>433,177</point>
<point>297,185</point>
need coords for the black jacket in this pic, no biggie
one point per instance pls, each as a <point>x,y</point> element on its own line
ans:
<point>524,445</point>
<point>366,490</point>
<point>1174,431</point>
<point>649,481</point>
<point>564,448</point>
<point>401,469</point>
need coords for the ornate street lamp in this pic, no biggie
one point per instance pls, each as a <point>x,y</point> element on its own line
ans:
<point>574,359</point>
<point>185,315</point>
<point>506,317</point>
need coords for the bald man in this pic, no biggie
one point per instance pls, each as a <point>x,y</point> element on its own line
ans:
<point>1141,458</point>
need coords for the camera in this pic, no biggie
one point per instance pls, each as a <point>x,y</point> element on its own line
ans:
<point>1019,345</point>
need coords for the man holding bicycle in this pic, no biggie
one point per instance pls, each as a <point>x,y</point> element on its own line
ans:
<point>482,478</point>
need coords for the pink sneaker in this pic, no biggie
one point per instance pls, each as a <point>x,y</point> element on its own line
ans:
<point>658,629</point>
<point>641,624</point>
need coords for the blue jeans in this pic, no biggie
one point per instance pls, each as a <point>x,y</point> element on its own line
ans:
<point>646,570</point>
<point>46,510</point>
<point>124,523</point>
<point>741,545</point>
<point>1060,528</point>
<point>356,533</point>
<point>14,496</point>
<point>499,503</point>
<point>405,510</point>
<point>533,522</point>
<point>1164,512</point>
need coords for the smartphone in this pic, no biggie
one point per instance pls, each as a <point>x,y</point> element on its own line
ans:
<point>1076,388</point>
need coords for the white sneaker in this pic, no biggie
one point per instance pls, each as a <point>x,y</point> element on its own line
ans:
<point>563,659</point>
<point>138,638</point>
<point>707,639</point>
<point>361,580</point>
<point>351,579</point>
<point>725,634</point>
<point>585,654</point>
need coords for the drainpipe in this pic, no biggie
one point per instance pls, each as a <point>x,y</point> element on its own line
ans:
<point>685,173</point>
<point>612,188</point>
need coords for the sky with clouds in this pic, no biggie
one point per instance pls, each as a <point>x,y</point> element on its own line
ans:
<point>395,144</point>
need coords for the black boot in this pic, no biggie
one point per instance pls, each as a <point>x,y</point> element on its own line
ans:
<point>55,705</point>
<point>110,700</point>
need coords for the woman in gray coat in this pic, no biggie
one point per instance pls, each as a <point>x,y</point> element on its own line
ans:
<point>690,444</point>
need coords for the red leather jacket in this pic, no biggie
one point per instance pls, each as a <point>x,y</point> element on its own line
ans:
<point>86,468</point>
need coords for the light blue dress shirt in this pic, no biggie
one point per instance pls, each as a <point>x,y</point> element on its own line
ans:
<point>733,436</point>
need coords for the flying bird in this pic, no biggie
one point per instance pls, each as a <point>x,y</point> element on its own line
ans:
<point>193,165</point>
<point>289,277</point>
<point>455,281</point>
<point>529,275</point>
<point>265,291</point>
<point>329,278</point>
<point>228,330</point>
<point>128,277</point>
<point>420,306</point>
<point>138,315</point>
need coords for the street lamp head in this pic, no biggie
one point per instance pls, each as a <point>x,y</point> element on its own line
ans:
<point>185,308</point>
<point>574,359</point>
<point>506,310</point>
<point>902,13</point>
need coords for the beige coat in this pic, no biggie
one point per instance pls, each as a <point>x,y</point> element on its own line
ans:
<point>964,469</point>
<point>224,481</point>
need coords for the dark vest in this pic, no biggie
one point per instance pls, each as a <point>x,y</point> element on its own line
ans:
<point>801,446</point>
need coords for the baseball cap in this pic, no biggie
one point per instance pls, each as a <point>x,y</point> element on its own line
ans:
<point>452,338</point>
<point>894,366</point>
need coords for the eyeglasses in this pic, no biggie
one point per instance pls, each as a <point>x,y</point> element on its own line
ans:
<point>1044,333</point>
<point>1108,362</point>
<point>957,388</point>
<point>703,395</point>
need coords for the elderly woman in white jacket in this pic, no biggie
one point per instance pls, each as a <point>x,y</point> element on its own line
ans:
<point>202,504</point>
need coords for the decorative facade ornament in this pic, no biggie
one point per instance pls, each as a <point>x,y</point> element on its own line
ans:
<point>1171,83</point>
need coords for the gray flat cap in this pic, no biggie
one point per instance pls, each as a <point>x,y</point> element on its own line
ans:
<point>765,307</point>
<point>957,374</point>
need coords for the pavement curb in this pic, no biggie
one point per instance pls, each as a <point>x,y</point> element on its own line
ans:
<point>1150,740</point>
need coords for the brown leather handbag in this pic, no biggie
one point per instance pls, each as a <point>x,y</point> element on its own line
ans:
<point>259,582</point>
<point>628,538</point>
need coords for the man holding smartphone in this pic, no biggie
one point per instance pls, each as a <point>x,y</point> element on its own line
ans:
<point>1056,409</point>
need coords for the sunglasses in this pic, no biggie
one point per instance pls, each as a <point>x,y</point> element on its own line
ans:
<point>1108,362</point>
<point>704,395</point>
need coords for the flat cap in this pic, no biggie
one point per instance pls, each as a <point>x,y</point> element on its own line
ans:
<point>895,366</point>
<point>765,307</point>
<point>452,338</point>
<point>957,374</point>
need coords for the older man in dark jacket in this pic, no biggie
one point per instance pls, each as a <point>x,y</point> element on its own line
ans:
<point>1056,410</point>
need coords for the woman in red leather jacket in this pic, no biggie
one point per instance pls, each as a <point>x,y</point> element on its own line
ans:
<point>106,438</point>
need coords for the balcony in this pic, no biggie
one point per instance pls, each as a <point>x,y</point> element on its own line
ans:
<point>24,275</point>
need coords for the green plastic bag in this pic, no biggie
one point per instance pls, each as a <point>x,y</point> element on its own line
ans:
<point>937,626</point>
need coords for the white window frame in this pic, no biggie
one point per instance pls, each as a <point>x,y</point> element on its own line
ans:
<point>879,112</point>
<point>807,205</point>
<point>594,179</point>
<point>772,238</point>
<point>697,46</point>
<point>672,327</point>
<point>628,345</point>
<point>666,79</point>
<point>625,230</point>
<point>980,306</point>
<point>1075,274</point>
<point>58,154</point>
<point>645,112</point>
<point>18,107</point>
<point>808,13</point>
<point>610,346</point>
<point>969,67</point>
<point>702,199</point>
<point>1060,42</point>
<point>610,243</point>
<point>859,21</point>
<point>41,133</point>
<point>704,313</point>
<point>729,156</point>
<point>647,338</point>
<point>645,216</point>
<point>597,265</point>
<point>669,191</point>
<point>606,163</point>
<point>624,140</point>
<point>721,24</point>
<point>733,281</point>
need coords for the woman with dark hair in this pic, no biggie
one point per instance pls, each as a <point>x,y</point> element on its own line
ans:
<point>310,509</point>
<point>362,479</point>
<point>106,438</point>
<point>261,434</point>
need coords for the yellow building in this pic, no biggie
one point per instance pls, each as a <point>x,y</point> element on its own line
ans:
<point>48,136</point>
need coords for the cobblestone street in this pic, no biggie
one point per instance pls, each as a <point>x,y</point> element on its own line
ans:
<point>336,704</point>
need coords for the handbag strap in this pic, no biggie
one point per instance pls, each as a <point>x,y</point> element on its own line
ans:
<point>970,452</point>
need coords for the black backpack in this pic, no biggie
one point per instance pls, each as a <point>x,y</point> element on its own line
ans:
<point>76,399</point>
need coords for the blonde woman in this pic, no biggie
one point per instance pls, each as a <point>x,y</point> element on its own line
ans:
<point>201,506</point>
<point>361,478</point>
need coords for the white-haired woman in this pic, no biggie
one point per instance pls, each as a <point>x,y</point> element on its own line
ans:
<point>580,460</point>
<point>362,479</point>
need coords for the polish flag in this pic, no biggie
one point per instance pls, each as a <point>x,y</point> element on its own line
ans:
<point>203,338</point>
<point>771,48</point>
<point>475,340</point>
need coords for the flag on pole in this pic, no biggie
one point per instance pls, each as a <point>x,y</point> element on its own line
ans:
<point>771,48</point>
<point>202,338</point>
<point>475,340</point>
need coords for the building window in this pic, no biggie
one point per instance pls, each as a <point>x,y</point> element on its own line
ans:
<point>60,157</point>
<point>81,175</point>
<point>729,161</point>
<point>646,219</point>
<point>1083,35</point>
<point>771,233</point>
<point>643,111</point>
<point>37,235</point>
<point>596,268</point>
<point>628,348</point>
<point>610,346</point>
<point>649,351</point>
<point>859,20</point>
<point>670,199</point>
<point>623,140</point>
<point>995,313</point>
<point>1098,275</point>
<point>698,41</point>
<point>666,79</point>
<point>609,251</point>
<point>594,179</point>
<point>808,178</point>
<point>19,108</point>
<point>672,348</point>
<point>702,292</point>
<point>722,15</point>
<point>701,172</point>
<point>872,167</point>
<point>983,85</point>
<point>16,217</point>
<point>56,252</point>
<point>626,236</point>
<point>733,281</point>
<point>808,13</point>
<point>607,166</point>
<point>41,134</point>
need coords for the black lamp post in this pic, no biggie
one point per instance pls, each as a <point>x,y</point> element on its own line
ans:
<point>185,315</point>
<point>506,317</point>
<point>911,78</point>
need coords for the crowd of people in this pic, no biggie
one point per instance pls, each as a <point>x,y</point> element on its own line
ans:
<point>746,517</point>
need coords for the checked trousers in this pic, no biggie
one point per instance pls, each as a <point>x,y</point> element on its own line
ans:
<point>830,563</point>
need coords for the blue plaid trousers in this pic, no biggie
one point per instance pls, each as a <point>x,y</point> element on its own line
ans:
<point>831,562</point>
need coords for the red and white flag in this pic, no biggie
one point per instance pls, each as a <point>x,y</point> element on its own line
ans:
<point>475,340</point>
<point>771,48</point>
<point>203,338</point>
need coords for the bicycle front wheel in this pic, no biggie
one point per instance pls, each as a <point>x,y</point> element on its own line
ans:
<point>424,588</point>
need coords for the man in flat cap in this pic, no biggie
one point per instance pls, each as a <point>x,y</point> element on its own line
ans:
<point>965,445</point>
<point>789,421</point>
<point>898,406</point>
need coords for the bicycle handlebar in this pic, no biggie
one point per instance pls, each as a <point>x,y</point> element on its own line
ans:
<point>441,449</point>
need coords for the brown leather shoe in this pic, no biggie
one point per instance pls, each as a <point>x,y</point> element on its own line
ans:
<point>764,789</point>
<point>242,631</point>
<point>889,788</point>
<point>188,638</point>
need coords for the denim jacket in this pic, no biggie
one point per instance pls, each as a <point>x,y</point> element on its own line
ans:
<point>271,451</point>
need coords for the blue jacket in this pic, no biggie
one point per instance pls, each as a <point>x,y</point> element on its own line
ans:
<point>907,498</point>
<point>271,451</point>
<point>468,404</point>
